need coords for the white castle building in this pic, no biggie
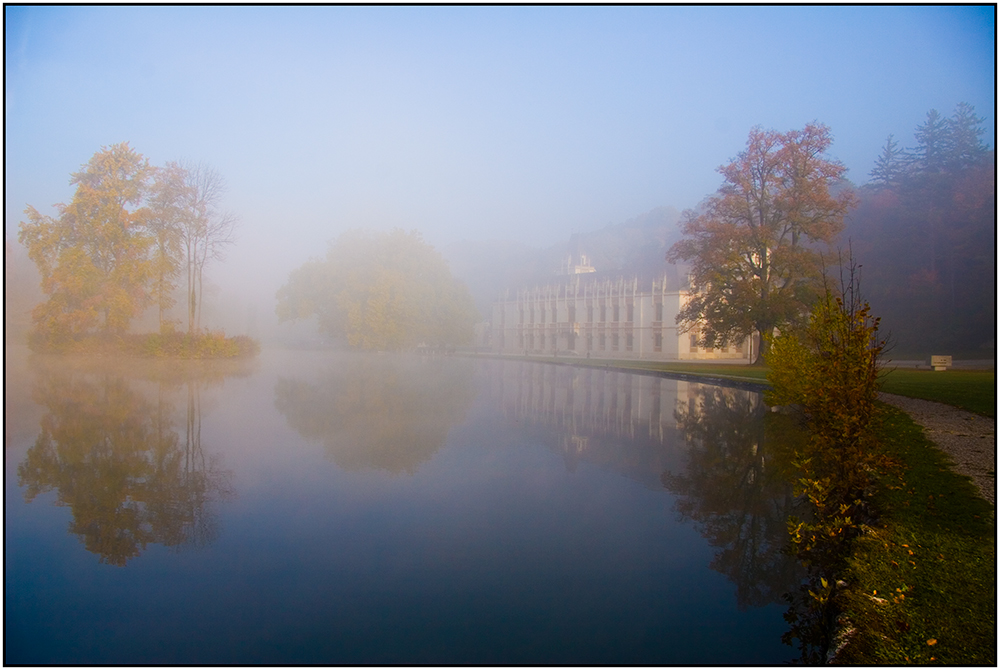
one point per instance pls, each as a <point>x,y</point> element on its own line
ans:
<point>601,318</point>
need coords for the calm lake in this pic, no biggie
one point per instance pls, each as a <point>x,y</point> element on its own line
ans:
<point>334,508</point>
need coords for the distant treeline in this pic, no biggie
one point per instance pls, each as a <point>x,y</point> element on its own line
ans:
<point>924,232</point>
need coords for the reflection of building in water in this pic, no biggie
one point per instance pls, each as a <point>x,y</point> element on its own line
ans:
<point>599,317</point>
<point>623,421</point>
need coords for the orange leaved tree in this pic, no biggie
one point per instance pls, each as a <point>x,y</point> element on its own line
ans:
<point>754,248</point>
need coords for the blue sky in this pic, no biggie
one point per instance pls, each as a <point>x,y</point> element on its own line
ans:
<point>523,123</point>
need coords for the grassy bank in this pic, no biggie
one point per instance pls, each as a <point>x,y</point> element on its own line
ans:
<point>204,345</point>
<point>971,390</point>
<point>739,372</point>
<point>922,584</point>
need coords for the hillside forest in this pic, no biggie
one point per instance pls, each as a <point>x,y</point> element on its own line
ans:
<point>924,232</point>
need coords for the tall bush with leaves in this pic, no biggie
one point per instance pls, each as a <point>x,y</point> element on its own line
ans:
<point>831,370</point>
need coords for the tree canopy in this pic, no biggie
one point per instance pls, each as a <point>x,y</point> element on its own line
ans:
<point>119,246</point>
<point>754,245</point>
<point>381,291</point>
<point>94,258</point>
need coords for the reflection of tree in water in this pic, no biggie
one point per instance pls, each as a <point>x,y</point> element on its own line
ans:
<point>737,487</point>
<point>117,461</point>
<point>388,412</point>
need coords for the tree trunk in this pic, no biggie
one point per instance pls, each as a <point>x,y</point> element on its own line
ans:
<point>764,346</point>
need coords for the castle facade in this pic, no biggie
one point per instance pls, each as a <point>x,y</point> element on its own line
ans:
<point>601,318</point>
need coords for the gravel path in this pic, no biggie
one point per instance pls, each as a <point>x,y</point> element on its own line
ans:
<point>970,439</point>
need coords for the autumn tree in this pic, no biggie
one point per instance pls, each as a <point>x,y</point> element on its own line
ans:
<point>190,230</point>
<point>205,231</point>
<point>122,242</point>
<point>166,225</point>
<point>94,257</point>
<point>754,246</point>
<point>382,291</point>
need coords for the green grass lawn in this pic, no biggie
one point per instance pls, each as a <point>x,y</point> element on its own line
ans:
<point>922,584</point>
<point>972,390</point>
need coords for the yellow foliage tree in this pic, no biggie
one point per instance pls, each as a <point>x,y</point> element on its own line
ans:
<point>381,291</point>
<point>94,258</point>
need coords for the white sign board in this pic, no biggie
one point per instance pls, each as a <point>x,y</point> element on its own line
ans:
<point>941,362</point>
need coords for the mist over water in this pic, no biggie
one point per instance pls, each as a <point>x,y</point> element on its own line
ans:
<point>283,513</point>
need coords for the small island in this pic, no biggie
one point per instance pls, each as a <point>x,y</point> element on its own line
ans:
<point>119,248</point>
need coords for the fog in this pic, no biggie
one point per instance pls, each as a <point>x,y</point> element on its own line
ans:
<point>485,128</point>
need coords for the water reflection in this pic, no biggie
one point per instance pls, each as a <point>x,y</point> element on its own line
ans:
<point>616,420</point>
<point>736,485</point>
<point>388,413</point>
<point>120,460</point>
<point>706,444</point>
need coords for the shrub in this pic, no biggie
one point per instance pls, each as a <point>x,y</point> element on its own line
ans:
<point>830,370</point>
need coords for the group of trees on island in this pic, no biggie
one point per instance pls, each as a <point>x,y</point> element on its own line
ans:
<point>130,237</point>
<point>922,229</point>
